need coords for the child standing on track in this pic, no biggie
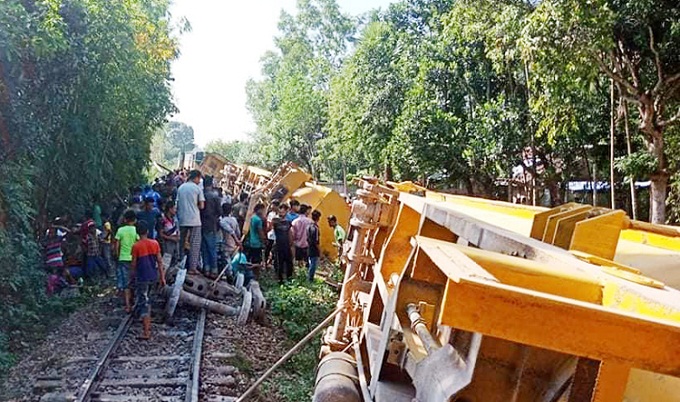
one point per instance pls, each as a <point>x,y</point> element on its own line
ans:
<point>126,236</point>
<point>146,270</point>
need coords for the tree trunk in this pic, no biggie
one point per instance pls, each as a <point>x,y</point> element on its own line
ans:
<point>469,186</point>
<point>612,134</point>
<point>555,193</point>
<point>388,171</point>
<point>594,184</point>
<point>344,177</point>
<point>659,187</point>
<point>658,199</point>
<point>629,148</point>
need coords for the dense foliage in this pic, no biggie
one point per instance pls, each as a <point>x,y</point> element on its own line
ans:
<point>170,141</point>
<point>298,306</point>
<point>242,152</point>
<point>83,85</point>
<point>454,92</point>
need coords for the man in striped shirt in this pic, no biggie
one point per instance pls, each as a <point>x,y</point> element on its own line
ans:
<point>54,256</point>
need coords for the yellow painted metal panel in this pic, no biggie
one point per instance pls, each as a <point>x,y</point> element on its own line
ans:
<point>541,218</point>
<point>527,274</point>
<point>398,246</point>
<point>552,223</point>
<point>562,324</point>
<point>292,180</point>
<point>259,171</point>
<point>611,382</point>
<point>475,302</point>
<point>599,235</point>
<point>506,208</point>
<point>645,386</point>
<point>328,202</point>
<point>651,239</point>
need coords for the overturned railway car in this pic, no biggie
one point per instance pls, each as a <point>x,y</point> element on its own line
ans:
<point>450,298</point>
<point>288,182</point>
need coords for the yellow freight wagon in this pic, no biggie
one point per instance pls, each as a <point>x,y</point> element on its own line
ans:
<point>450,298</point>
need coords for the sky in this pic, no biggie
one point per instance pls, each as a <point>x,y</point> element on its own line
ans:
<point>219,55</point>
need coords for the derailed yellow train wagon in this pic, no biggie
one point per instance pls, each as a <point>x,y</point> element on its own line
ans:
<point>458,299</point>
<point>289,182</point>
<point>328,202</point>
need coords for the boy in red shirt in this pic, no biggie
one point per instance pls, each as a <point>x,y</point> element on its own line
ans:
<point>146,269</point>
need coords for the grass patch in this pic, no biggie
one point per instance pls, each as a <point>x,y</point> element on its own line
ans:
<point>298,306</point>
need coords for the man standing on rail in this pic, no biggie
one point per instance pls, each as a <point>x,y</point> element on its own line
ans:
<point>146,269</point>
<point>300,226</point>
<point>190,201</point>
<point>209,226</point>
<point>231,234</point>
<point>338,233</point>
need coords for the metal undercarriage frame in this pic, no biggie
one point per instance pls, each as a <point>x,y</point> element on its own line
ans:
<point>462,310</point>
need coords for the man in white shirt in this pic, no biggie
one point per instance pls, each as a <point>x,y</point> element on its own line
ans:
<point>190,201</point>
<point>231,234</point>
<point>300,225</point>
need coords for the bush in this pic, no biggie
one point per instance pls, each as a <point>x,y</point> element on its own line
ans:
<point>6,358</point>
<point>298,306</point>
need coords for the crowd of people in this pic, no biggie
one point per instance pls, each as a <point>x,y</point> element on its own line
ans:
<point>183,217</point>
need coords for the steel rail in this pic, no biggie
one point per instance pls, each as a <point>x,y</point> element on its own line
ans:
<point>88,385</point>
<point>193,382</point>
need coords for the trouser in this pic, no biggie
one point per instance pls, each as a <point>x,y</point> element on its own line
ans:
<point>209,252</point>
<point>106,255</point>
<point>95,264</point>
<point>254,255</point>
<point>122,275</point>
<point>313,263</point>
<point>302,255</point>
<point>268,250</point>
<point>143,300</point>
<point>190,245</point>
<point>284,263</point>
<point>171,248</point>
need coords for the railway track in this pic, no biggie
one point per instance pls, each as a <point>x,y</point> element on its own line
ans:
<point>165,368</point>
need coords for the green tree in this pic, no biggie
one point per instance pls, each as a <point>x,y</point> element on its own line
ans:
<point>365,100</point>
<point>180,137</point>
<point>635,44</point>
<point>290,105</point>
<point>240,152</point>
<point>83,86</point>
